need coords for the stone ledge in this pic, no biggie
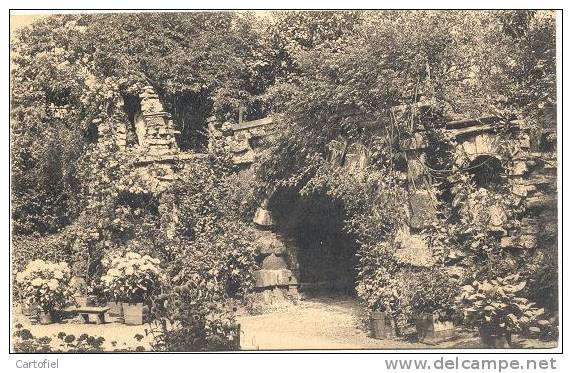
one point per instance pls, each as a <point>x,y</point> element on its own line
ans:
<point>168,158</point>
<point>273,277</point>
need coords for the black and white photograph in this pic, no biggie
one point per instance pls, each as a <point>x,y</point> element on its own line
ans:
<point>258,181</point>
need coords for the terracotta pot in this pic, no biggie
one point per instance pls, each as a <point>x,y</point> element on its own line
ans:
<point>85,300</point>
<point>29,309</point>
<point>133,313</point>
<point>431,330</point>
<point>115,309</point>
<point>382,326</point>
<point>423,326</point>
<point>80,300</point>
<point>45,317</point>
<point>494,338</point>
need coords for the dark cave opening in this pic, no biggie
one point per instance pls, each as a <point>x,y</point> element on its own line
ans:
<point>325,254</point>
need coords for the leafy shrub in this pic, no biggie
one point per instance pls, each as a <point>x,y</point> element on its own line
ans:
<point>132,278</point>
<point>214,247</point>
<point>46,284</point>
<point>187,321</point>
<point>53,248</point>
<point>494,305</point>
<point>434,293</point>
<point>24,341</point>
<point>542,275</point>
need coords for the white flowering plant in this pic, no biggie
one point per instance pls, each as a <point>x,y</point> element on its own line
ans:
<point>47,284</point>
<point>132,278</point>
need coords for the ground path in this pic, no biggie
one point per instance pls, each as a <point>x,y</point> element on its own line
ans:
<point>315,323</point>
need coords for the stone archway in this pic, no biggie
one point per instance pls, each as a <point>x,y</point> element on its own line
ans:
<point>302,246</point>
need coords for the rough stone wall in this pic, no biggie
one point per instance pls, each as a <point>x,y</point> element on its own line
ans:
<point>277,275</point>
<point>530,174</point>
<point>151,159</point>
<point>240,140</point>
<point>154,127</point>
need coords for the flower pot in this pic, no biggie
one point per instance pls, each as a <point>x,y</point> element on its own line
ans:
<point>45,317</point>
<point>133,313</point>
<point>491,338</point>
<point>80,300</point>
<point>115,309</point>
<point>431,330</point>
<point>29,309</point>
<point>84,300</point>
<point>381,326</point>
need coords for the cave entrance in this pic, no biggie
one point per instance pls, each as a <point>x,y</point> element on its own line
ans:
<point>487,171</point>
<point>325,259</point>
<point>132,108</point>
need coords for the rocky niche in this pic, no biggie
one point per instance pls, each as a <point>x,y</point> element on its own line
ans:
<point>275,273</point>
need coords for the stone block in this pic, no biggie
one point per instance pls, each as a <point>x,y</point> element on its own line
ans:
<point>269,243</point>
<point>455,271</point>
<point>156,141</point>
<point>528,241</point>
<point>151,105</point>
<point>154,122</point>
<point>487,143</point>
<point>534,332</point>
<point>506,242</point>
<point>422,209</point>
<point>469,148</point>
<point>497,216</point>
<point>518,168</point>
<point>520,190</point>
<point>524,141</point>
<point>268,278</point>
<point>273,261</point>
<point>263,217</point>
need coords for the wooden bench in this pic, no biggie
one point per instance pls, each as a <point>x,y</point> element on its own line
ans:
<point>84,312</point>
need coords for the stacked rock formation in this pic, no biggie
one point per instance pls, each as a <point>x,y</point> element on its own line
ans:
<point>154,126</point>
<point>272,256</point>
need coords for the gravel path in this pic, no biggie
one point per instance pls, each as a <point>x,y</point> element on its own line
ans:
<point>334,323</point>
<point>316,323</point>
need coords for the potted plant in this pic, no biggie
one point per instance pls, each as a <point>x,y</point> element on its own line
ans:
<point>131,279</point>
<point>47,285</point>
<point>114,303</point>
<point>382,325</point>
<point>433,305</point>
<point>496,310</point>
<point>386,314</point>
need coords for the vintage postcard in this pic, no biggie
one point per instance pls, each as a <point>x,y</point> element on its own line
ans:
<point>195,181</point>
